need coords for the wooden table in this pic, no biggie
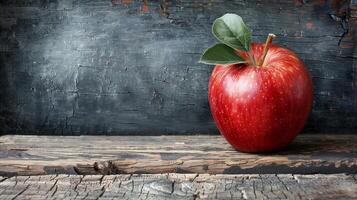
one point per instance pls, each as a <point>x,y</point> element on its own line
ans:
<point>174,167</point>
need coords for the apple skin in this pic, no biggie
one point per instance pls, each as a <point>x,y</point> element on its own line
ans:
<point>261,109</point>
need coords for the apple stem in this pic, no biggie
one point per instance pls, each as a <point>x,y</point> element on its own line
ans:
<point>269,40</point>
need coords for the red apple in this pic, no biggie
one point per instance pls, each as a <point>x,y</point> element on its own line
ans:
<point>261,108</point>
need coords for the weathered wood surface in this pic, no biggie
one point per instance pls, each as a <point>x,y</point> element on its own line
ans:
<point>126,67</point>
<point>180,186</point>
<point>35,155</point>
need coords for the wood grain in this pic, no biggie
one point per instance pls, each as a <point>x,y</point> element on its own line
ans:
<point>36,155</point>
<point>180,186</point>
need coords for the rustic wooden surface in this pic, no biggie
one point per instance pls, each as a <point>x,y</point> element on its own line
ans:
<point>180,186</point>
<point>35,155</point>
<point>126,67</point>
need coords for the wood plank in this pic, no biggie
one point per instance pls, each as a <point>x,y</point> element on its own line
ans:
<point>39,155</point>
<point>180,186</point>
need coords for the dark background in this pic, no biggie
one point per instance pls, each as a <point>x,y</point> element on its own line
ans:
<point>130,67</point>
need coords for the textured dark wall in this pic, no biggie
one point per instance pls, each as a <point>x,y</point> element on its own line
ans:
<point>130,67</point>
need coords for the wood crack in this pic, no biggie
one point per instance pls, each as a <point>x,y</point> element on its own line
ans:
<point>102,193</point>
<point>20,193</point>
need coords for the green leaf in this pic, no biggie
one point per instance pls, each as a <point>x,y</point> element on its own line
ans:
<point>221,54</point>
<point>231,30</point>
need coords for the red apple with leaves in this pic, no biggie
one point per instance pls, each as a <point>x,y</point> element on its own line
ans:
<point>260,95</point>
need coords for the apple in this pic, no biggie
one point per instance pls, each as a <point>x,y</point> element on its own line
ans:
<point>259,106</point>
<point>260,109</point>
